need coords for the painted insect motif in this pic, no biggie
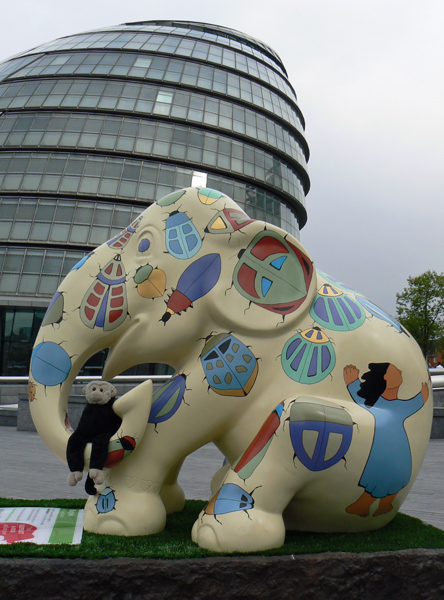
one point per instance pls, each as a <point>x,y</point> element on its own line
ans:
<point>208,196</point>
<point>196,281</point>
<point>309,356</point>
<point>273,274</point>
<point>171,198</point>
<point>377,312</point>
<point>256,451</point>
<point>106,501</point>
<point>150,282</point>
<point>181,237</point>
<point>167,400</point>
<point>105,303</point>
<point>335,310</point>
<point>54,312</point>
<point>118,450</point>
<point>81,262</point>
<point>121,239</point>
<point>229,365</point>
<point>228,220</point>
<point>320,434</point>
<point>230,498</point>
<point>50,363</point>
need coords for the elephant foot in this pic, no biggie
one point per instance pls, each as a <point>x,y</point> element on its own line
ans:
<point>173,498</point>
<point>123,512</point>
<point>239,531</point>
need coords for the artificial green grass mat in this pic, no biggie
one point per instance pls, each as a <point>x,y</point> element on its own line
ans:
<point>175,541</point>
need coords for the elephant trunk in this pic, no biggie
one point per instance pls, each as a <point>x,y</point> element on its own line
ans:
<point>54,367</point>
<point>63,345</point>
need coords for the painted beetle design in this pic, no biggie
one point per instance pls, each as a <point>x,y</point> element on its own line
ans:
<point>335,310</point>
<point>228,220</point>
<point>273,273</point>
<point>105,304</point>
<point>106,502</point>
<point>309,356</point>
<point>118,450</point>
<point>377,312</point>
<point>182,239</point>
<point>196,281</point>
<point>230,498</point>
<point>256,451</point>
<point>121,239</point>
<point>229,366</point>
<point>168,399</point>
<point>320,434</point>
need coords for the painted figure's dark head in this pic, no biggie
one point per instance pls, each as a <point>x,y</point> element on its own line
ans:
<point>373,383</point>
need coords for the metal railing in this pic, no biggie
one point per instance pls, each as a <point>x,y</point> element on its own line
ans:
<point>436,375</point>
<point>83,378</point>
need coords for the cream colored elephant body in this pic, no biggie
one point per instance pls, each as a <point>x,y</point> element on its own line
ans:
<point>270,358</point>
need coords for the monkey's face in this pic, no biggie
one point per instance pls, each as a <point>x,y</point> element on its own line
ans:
<point>99,392</point>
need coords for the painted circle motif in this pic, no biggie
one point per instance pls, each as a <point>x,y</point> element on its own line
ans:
<point>273,274</point>
<point>309,356</point>
<point>50,364</point>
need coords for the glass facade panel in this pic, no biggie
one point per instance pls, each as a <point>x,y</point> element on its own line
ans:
<point>191,74</point>
<point>126,141</point>
<point>94,127</point>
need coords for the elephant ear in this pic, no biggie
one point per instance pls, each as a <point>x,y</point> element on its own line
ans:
<point>273,279</point>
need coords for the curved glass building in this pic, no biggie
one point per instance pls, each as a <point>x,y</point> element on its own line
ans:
<point>96,126</point>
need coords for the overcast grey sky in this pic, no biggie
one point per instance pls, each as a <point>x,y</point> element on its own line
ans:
<point>370,82</point>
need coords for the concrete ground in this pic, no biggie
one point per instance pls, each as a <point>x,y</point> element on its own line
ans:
<point>28,470</point>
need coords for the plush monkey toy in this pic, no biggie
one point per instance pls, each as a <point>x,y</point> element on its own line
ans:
<point>97,424</point>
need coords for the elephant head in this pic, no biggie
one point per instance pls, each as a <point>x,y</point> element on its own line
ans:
<point>191,264</point>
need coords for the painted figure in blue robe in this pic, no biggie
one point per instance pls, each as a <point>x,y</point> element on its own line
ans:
<point>389,465</point>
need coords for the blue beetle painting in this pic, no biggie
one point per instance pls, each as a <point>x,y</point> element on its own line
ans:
<point>168,399</point>
<point>230,367</point>
<point>320,434</point>
<point>106,501</point>
<point>181,237</point>
<point>230,498</point>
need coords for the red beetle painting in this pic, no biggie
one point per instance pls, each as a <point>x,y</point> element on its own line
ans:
<point>105,303</point>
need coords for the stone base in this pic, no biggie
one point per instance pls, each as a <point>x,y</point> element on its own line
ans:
<point>330,576</point>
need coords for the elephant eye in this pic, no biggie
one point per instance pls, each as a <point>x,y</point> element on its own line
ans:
<point>144,245</point>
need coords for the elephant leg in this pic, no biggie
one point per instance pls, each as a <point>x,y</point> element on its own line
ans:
<point>219,477</point>
<point>171,493</point>
<point>245,514</point>
<point>127,504</point>
<point>138,492</point>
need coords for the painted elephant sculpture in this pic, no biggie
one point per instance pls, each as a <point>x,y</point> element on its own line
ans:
<point>319,400</point>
